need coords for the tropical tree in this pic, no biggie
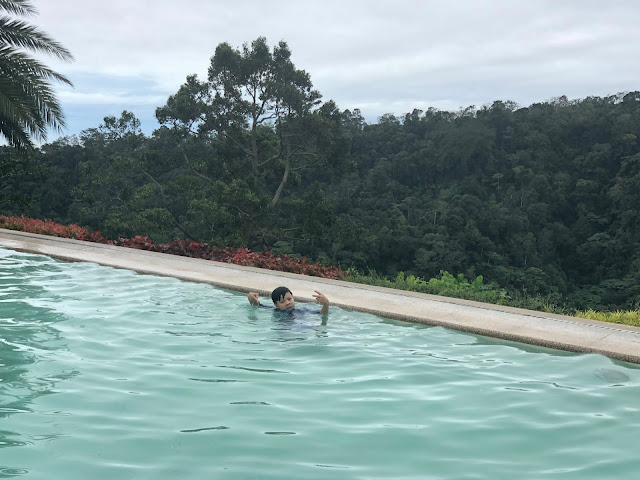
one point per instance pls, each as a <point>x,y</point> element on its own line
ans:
<point>262,110</point>
<point>28,104</point>
<point>249,135</point>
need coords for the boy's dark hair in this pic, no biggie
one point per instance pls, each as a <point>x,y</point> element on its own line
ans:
<point>279,293</point>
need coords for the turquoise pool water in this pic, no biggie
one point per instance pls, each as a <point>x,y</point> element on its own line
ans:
<point>108,374</point>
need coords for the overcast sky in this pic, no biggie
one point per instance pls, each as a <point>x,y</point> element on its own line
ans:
<point>381,56</point>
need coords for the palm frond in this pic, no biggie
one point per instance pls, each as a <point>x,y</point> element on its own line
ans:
<point>36,92</point>
<point>12,60</point>
<point>17,109</point>
<point>17,33</point>
<point>18,7</point>
<point>28,104</point>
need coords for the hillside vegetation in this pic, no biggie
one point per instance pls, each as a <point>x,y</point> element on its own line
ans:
<point>542,201</point>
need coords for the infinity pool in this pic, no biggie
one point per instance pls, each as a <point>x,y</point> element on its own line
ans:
<point>108,374</point>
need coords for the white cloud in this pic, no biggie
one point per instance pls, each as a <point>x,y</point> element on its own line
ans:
<point>109,98</point>
<point>379,55</point>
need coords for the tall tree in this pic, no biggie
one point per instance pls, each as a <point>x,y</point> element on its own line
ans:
<point>249,130</point>
<point>28,104</point>
<point>261,110</point>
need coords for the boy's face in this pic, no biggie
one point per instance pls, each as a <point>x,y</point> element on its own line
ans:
<point>286,303</point>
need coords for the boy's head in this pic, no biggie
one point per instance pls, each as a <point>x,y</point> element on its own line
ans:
<point>283,299</point>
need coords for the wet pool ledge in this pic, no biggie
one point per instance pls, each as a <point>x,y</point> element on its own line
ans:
<point>621,342</point>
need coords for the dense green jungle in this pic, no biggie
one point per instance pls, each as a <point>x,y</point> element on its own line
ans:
<point>542,200</point>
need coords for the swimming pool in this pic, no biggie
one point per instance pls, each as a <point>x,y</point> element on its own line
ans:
<point>110,374</point>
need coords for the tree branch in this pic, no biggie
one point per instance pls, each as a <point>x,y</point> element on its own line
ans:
<point>285,177</point>
<point>186,159</point>
<point>163,198</point>
<point>248,152</point>
<point>277,155</point>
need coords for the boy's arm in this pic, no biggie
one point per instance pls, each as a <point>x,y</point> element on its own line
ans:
<point>253,299</point>
<point>322,300</point>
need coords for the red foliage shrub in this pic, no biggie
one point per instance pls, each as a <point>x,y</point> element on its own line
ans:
<point>48,227</point>
<point>186,248</point>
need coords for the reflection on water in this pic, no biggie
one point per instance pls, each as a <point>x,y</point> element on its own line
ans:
<point>610,375</point>
<point>28,341</point>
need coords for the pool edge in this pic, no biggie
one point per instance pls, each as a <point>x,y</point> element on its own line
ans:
<point>621,342</point>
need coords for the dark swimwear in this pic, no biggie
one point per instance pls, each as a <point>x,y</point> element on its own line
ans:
<point>290,312</point>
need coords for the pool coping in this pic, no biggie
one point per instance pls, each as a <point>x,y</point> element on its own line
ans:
<point>621,342</point>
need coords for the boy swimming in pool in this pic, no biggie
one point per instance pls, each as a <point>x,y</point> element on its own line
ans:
<point>283,300</point>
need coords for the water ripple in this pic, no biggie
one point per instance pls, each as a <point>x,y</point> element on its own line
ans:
<point>195,430</point>
<point>106,369</point>
<point>260,370</point>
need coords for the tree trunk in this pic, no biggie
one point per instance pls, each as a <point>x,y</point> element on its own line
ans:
<point>285,177</point>
<point>254,146</point>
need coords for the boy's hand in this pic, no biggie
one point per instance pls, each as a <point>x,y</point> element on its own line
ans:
<point>320,298</point>
<point>253,298</point>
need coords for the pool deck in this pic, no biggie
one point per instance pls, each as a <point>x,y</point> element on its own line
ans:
<point>562,332</point>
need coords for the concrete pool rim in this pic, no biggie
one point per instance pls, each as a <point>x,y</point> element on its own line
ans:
<point>620,342</point>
